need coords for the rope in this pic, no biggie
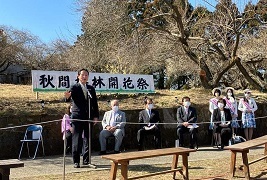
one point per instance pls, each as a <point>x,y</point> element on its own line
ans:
<point>130,123</point>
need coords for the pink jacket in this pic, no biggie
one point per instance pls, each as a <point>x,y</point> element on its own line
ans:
<point>65,121</point>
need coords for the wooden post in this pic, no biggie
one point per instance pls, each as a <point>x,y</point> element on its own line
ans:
<point>174,164</point>
<point>185,166</point>
<point>233,162</point>
<point>37,95</point>
<point>245,163</point>
<point>124,169</point>
<point>5,173</point>
<point>113,170</point>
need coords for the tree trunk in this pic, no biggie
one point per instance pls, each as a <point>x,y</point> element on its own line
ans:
<point>251,81</point>
<point>226,66</point>
<point>161,79</point>
<point>204,74</point>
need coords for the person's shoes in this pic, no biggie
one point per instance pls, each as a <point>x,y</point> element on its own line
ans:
<point>117,152</point>
<point>222,147</point>
<point>76,165</point>
<point>102,152</point>
<point>193,147</point>
<point>85,163</point>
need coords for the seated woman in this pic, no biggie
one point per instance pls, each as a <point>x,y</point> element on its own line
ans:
<point>222,123</point>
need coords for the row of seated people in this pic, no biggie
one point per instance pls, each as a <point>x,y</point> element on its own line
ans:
<point>114,121</point>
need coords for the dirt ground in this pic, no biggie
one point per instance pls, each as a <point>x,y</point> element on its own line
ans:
<point>201,169</point>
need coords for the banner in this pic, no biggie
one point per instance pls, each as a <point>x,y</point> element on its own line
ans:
<point>45,81</point>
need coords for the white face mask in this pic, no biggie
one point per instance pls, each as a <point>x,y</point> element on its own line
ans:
<point>217,94</point>
<point>115,108</point>
<point>150,106</point>
<point>220,105</point>
<point>247,95</point>
<point>229,94</point>
<point>187,103</point>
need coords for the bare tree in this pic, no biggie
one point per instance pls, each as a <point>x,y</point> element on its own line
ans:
<point>109,42</point>
<point>19,47</point>
<point>209,39</point>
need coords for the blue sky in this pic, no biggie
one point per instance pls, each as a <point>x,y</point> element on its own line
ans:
<point>53,19</point>
<point>47,19</point>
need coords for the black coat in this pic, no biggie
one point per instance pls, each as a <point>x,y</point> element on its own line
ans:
<point>80,105</point>
<point>216,116</point>
<point>144,118</point>
<point>190,117</point>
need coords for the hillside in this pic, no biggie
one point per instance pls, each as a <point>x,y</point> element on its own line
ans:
<point>20,100</point>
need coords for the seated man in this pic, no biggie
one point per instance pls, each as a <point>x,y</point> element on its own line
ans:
<point>186,117</point>
<point>149,119</point>
<point>113,124</point>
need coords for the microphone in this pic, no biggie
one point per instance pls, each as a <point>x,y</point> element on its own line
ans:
<point>89,94</point>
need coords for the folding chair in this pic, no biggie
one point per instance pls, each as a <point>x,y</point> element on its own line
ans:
<point>33,134</point>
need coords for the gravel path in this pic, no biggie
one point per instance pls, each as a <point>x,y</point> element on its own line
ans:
<point>54,164</point>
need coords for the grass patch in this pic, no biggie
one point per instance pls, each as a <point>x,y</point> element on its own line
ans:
<point>21,100</point>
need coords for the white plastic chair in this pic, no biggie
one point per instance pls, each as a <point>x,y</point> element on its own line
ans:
<point>33,134</point>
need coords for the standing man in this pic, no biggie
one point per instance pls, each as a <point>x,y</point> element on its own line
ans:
<point>149,119</point>
<point>186,116</point>
<point>82,96</point>
<point>113,124</point>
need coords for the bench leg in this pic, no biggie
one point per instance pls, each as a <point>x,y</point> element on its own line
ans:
<point>185,166</point>
<point>124,169</point>
<point>174,164</point>
<point>233,162</point>
<point>5,174</point>
<point>246,166</point>
<point>113,170</point>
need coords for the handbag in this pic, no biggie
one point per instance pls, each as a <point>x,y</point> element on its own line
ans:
<point>237,139</point>
<point>211,126</point>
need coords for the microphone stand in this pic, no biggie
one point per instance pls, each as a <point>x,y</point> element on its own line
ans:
<point>89,97</point>
<point>65,143</point>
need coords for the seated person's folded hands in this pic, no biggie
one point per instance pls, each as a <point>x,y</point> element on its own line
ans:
<point>185,124</point>
<point>150,127</point>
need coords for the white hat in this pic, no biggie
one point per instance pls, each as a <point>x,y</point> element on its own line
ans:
<point>247,90</point>
<point>213,90</point>
<point>227,88</point>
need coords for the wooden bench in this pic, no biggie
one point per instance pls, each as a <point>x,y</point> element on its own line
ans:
<point>5,166</point>
<point>124,158</point>
<point>244,149</point>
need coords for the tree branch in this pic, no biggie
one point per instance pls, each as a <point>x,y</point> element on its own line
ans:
<point>248,77</point>
<point>226,66</point>
<point>178,18</point>
<point>236,44</point>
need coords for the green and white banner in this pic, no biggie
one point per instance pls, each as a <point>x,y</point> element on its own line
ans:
<point>45,81</point>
